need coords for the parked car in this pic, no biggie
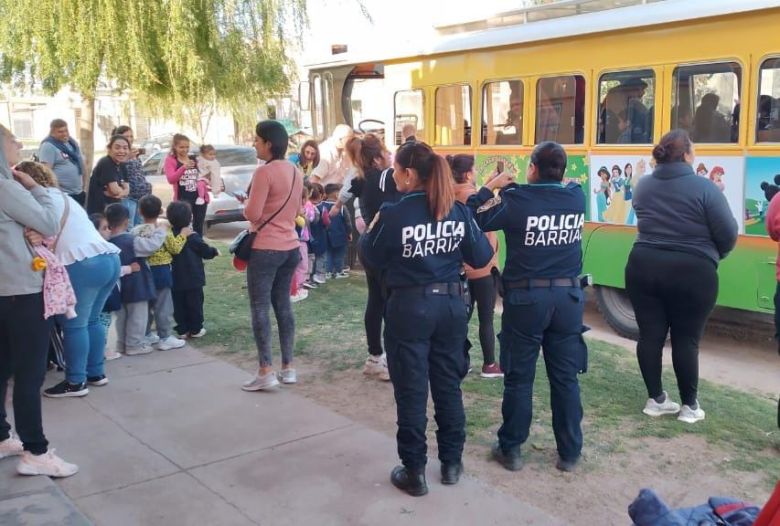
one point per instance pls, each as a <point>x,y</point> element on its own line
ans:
<point>238,164</point>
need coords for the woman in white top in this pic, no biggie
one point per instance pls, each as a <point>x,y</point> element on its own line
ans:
<point>93,267</point>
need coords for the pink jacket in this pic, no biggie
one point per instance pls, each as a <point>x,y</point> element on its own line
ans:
<point>773,227</point>
<point>174,174</point>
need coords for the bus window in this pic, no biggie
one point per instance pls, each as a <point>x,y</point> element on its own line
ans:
<point>626,105</point>
<point>319,129</point>
<point>453,116</point>
<point>502,112</point>
<point>408,113</point>
<point>705,101</point>
<point>768,120</point>
<point>560,109</point>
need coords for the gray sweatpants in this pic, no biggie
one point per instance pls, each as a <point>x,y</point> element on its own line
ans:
<point>131,322</point>
<point>162,309</point>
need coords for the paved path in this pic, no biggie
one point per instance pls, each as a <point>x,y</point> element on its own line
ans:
<point>172,440</point>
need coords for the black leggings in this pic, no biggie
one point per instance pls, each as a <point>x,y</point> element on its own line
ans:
<point>670,291</point>
<point>375,308</point>
<point>483,293</point>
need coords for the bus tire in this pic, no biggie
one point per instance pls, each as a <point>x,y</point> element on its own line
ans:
<point>617,310</point>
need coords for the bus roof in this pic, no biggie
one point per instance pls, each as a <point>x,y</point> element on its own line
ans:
<point>622,18</point>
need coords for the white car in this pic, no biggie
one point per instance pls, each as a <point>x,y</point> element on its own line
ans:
<point>238,164</point>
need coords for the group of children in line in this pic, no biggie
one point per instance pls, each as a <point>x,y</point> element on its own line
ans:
<point>162,277</point>
<point>323,239</point>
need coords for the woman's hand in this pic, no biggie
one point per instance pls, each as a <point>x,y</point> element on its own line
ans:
<point>24,179</point>
<point>34,238</point>
<point>499,180</point>
<point>135,267</point>
<point>335,209</point>
<point>186,231</point>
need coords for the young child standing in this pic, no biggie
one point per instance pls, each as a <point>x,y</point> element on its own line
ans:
<point>298,288</point>
<point>136,289</point>
<point>150,208</point>
<point>338,233</point>
<point>318,242</point>
<point>189,276</point>
<point>209,177</point>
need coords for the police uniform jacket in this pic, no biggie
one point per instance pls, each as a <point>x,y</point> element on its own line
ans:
<point>542,224</point>
<point>411,248</point>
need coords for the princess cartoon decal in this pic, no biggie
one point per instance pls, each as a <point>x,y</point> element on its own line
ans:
<point>716,176</point>
<point>617,212</point>
<point>602,193</point>
<point>628,172</point>
<point>701,170</point>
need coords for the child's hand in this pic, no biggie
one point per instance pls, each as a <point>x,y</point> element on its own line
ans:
<point>135,267</point>
<point>186,231</point>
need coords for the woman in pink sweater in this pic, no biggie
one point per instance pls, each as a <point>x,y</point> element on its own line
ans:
<point>274,199</point>
<point>181,170</point>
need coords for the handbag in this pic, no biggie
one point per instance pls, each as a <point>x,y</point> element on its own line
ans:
<point>241,246</point>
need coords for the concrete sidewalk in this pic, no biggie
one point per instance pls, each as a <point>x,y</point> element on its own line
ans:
<point>172,440</point>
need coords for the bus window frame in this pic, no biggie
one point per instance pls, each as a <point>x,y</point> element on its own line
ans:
<point>710,146</point>
<point>658,72</point>
<point>422,116</point>
<point>587,141</point>
<point>480,112</point>
<point>317,112</point>
<point>436,88</point>
<point>755,78</point>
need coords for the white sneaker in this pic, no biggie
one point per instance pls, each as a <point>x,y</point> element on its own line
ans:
<point>377,366</point>
<point>112,355</point>
<point>11,446</point>
<point>141,350</point>
<point>691,416</point>
<point>151,339</point>
<point>288,376</point>
<point>47,464</point>
<point>341,275</point>
<point>667,407</point>
<point>319,278</point>
<point>200,334</point>
<point>302,294</point>
<point>260,383</point>
<point>171,342</point>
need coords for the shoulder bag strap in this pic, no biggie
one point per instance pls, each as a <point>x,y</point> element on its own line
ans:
<point>63,220</point>
<point>292,185</point>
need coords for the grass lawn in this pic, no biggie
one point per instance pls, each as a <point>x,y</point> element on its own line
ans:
<point>330,334</point>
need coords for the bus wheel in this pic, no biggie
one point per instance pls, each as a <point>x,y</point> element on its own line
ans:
<point>617,310</point>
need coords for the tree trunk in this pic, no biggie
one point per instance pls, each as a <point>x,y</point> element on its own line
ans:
<point>86,127</point>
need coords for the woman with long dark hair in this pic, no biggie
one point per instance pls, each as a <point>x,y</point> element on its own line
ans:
<point>273,203</point>
<point>482,281</point>
<point>685,229</point>
<point>418,246</point>
<point>108,182</point>
<point>308,157</point>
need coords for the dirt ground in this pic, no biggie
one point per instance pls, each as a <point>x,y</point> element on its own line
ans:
<point>685,471</point>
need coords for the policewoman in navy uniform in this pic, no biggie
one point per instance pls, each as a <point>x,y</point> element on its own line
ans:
<point>419,245</point>
<point>543,300</point>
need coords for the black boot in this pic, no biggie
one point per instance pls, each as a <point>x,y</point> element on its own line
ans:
<point>450,473</point>
<point>511,460</point>
<point>412,481</point>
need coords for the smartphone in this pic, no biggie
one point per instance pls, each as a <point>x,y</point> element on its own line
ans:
<point>500,167</point>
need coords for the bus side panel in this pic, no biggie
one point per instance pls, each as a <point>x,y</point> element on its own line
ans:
<point>605,253</point>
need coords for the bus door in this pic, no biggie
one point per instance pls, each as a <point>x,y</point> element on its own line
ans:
<point>364,104</point>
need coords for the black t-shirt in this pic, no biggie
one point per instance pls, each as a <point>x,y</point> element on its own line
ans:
<point>373,190</point>
<point>106,171</point>
<point>188,184</point>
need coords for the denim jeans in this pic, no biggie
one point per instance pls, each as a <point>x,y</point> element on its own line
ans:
<point>335,259</point>
<point>132,207</point>
<point>268,277</point>
<point>84,336</point>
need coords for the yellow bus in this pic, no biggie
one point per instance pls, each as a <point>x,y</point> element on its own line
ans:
<point>607,85</point>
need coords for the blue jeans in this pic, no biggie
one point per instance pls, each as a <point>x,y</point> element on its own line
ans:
<point>335,259</point>
<point>84,336</point>
<point>132,207</point>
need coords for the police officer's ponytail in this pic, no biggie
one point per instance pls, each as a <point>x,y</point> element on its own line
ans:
<point>433,172</point>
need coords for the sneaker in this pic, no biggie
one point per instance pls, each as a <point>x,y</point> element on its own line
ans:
<point>47,464</point>
<point>341,275</point>
<point>260,383</point>
<point>141,350</point>
<point>319,278</point>
<point>288,376</point>
<point>689,415</point>
<point>492,370</point>
<point>377,366</point>
<point>667,407</point>
<point>328,275</point>
<point>200,334</point>
<point>183,336</point>
<point>309,284</point>
<point>66,389</point>
<point>302,294</point>
<point>97,380</point>
<point>151,339</point>
<point>112,355</point>
<point>11,446</point>
<point>200,201</point>
<point>171,342</point>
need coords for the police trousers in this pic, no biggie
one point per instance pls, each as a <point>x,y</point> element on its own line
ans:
<point>424,335</point>
<point>551,318</point>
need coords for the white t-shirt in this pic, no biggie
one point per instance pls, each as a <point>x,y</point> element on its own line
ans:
<point>79,238</point>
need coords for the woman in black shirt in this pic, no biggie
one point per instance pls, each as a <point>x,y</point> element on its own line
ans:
<point>108,183</point>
